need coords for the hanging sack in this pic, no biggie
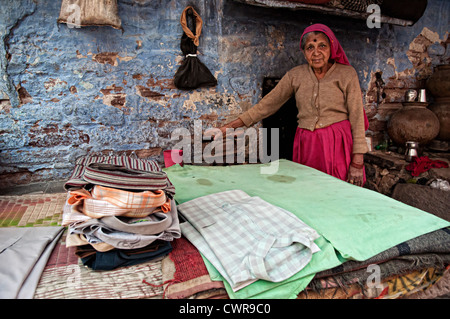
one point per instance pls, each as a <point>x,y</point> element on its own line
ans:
<point>81,13</point>
<point>192,73</point>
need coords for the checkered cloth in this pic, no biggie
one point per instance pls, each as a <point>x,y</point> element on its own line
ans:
<point>247,238</point>
<point>130,200</point>
<point>106,201</point>
<point>122,172</point>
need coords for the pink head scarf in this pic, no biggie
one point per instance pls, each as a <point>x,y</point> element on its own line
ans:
<point>337,53</point>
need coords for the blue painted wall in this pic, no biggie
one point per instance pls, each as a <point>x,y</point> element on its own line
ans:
<point>67,92</point>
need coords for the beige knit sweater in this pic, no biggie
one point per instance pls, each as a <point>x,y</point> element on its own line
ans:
<point>334,98</point>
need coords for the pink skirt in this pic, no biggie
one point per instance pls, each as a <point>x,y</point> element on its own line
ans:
<point>328,149</point>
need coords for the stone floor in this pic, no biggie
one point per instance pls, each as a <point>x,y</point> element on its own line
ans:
<point>35,188</point>
<point>384,170</point>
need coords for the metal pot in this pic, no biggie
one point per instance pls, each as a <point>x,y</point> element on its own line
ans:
<point>411,151</point>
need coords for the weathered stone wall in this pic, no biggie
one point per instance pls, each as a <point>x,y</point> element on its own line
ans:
<point>67,92</point>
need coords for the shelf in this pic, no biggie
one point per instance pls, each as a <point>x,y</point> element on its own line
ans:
<point>325,9</point>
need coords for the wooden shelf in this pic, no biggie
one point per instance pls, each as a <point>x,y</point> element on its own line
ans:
<point>323,9</point>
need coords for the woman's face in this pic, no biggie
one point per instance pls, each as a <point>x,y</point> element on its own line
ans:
<point>317,50</point>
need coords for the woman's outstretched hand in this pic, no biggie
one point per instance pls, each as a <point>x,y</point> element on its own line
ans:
<point>233,125</point>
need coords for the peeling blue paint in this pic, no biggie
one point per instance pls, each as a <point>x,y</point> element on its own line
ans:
<point>12,13</point>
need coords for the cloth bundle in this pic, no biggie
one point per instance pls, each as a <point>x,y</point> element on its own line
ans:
<point>192,73</point>
<point>119,211</point>
<point>105,201</point>
<point>78,13</point>
<point>247,238</point>
<point>122,172</point>
<point>423,164</point>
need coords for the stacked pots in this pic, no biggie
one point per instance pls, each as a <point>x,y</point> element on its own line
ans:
<point>415,121</point>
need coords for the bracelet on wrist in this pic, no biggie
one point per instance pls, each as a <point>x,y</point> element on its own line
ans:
<point>358,166</point>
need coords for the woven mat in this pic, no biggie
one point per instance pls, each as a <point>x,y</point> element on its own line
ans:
<point>32,210</point>
<point>64,276</point>
<point>186,276</point>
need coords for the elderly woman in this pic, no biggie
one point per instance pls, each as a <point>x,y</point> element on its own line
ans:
<point>331,128</point>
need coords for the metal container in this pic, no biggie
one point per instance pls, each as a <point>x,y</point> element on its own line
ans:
<point>410,95</point>
<point>411,151</point>
<point>422,96</point>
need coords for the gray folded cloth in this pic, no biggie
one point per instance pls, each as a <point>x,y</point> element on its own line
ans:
<point>24,252</point>
<point>130,233</point>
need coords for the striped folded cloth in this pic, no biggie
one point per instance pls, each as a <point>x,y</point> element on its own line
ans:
<point>105,201</point>
<point>122,172</point>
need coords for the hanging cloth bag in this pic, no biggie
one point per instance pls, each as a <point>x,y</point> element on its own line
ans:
<point>81,13</point>
<point>192,73</point>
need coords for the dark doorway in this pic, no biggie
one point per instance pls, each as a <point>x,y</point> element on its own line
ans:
<point>285,119</point>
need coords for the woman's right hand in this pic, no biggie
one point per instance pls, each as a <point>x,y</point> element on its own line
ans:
<point>233,124</point>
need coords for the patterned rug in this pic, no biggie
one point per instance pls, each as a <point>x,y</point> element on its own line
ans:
<point>64,276</point>
<point>32,210</point>
<point>185,275</point>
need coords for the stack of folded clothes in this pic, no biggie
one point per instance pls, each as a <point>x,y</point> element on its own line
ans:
<point>119,211</point>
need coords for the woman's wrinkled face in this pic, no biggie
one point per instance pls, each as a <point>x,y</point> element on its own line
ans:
<point>317,50</point>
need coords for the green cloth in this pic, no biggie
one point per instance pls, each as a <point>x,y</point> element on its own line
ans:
<point>354,222</point>
<point>325,259</point>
